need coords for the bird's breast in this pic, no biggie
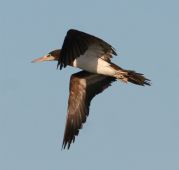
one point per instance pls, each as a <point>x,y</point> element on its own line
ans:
<point>92,62</point>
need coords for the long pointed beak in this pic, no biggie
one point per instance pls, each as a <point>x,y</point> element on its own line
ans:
<point>41,59</point>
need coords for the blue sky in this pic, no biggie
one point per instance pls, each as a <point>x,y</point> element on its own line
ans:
<point>129,127</point>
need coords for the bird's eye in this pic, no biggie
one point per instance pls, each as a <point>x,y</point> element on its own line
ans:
<point>48,55</point>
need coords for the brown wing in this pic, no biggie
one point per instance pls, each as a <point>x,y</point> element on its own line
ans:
<point>83,87</point>
<point>76,43</point>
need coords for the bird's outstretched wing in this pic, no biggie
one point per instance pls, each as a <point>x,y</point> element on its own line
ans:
<point>76,43</point>
<point>83,87</point>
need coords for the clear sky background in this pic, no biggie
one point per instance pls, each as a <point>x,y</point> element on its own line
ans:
<point>129,127</point>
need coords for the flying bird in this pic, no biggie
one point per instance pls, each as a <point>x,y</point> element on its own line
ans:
<point>93,55</point>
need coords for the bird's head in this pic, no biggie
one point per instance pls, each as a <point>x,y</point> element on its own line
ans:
<point>51,56</point>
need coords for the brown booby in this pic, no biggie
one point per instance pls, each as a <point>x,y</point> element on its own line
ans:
<point>93,56</point>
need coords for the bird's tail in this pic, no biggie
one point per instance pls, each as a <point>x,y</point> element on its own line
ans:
<point>132,77</point>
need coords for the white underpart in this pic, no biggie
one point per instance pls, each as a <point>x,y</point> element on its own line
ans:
<point>92,61</point>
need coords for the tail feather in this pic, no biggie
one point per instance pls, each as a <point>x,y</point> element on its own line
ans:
<point>132,77</point>
<point>137,78</point>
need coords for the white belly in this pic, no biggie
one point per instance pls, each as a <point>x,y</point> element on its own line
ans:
<point>91,62</point>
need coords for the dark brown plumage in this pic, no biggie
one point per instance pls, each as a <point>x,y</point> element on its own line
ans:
<point>83,87</point>
<point>76,43</point>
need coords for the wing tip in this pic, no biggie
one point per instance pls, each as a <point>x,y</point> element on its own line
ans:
<point>64,144</point>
